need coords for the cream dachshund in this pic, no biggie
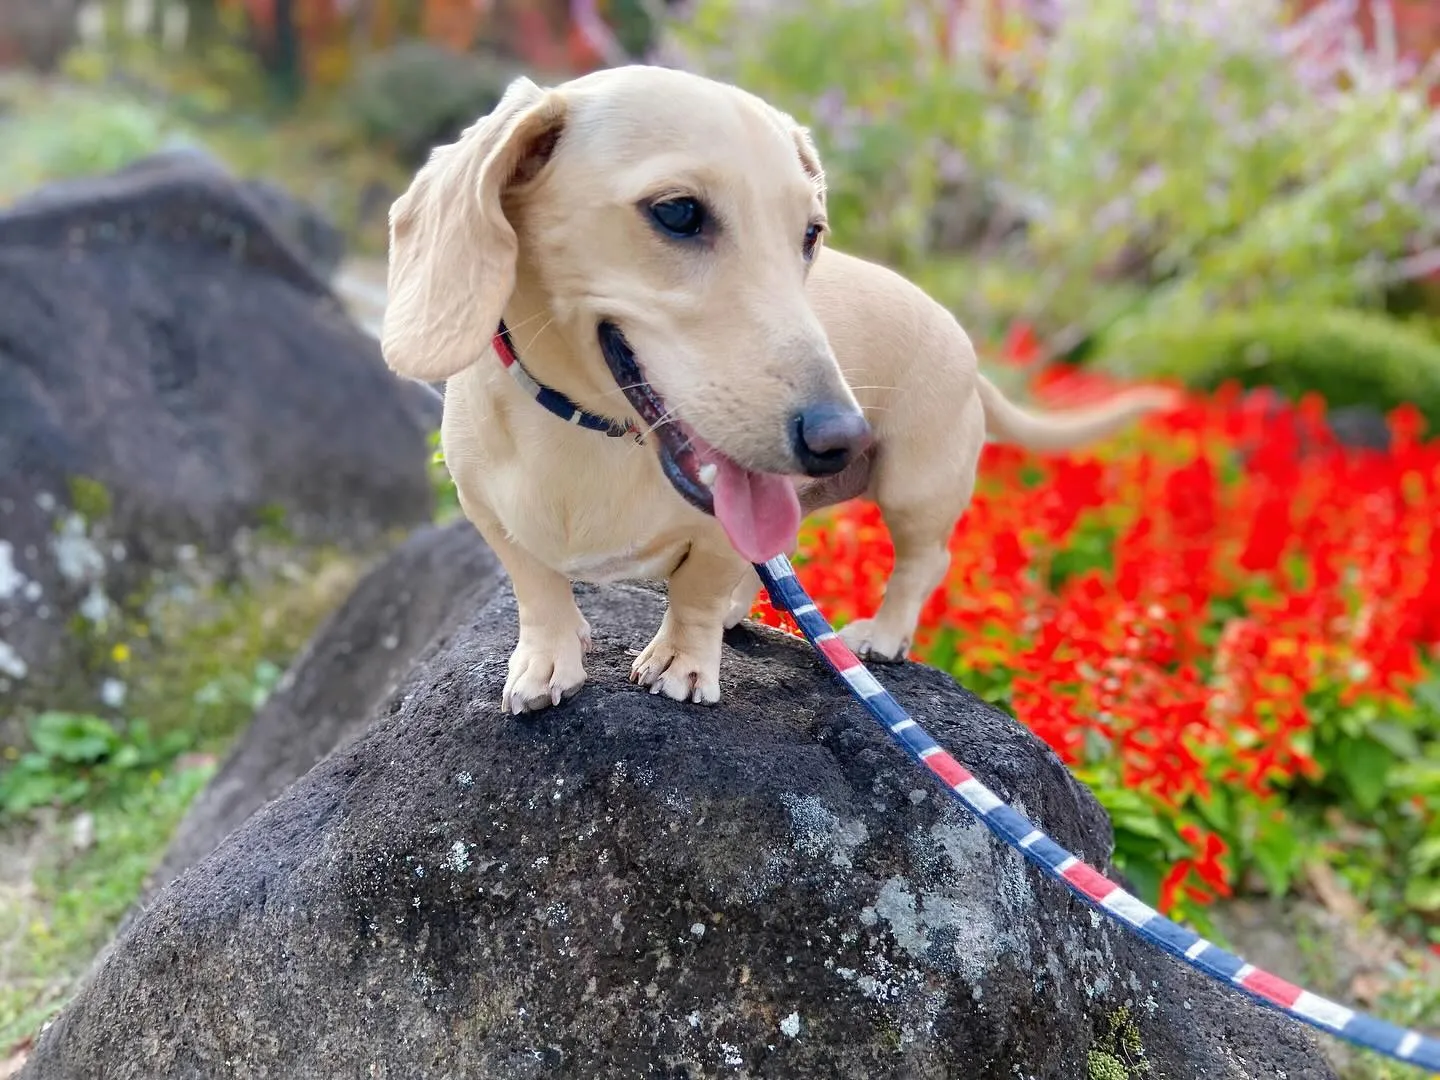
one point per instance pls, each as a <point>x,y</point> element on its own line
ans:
<point>654,367</point>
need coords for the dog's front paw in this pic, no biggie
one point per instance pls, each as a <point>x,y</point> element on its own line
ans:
<point>870,640</point>
<point>545,669</point>
<point>678,670</point>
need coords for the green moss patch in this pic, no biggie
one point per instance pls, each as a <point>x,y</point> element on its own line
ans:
<point>1118,1053</point>
<point>74,854</point>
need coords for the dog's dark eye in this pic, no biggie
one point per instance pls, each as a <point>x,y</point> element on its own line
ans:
<point>683,217</point>
<point>812,237</point>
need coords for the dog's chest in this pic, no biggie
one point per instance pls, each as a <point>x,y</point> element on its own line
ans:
<point>586,539</point>
<point>598,517</point>
<point>593,508</point>
<point>633,564</point>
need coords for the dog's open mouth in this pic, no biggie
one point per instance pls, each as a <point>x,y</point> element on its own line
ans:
<point>760,512</point>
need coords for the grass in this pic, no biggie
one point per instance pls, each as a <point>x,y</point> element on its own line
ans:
<point>69,881</point>
<point>199,669</point>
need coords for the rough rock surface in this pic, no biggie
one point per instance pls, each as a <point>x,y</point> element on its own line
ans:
<point>308,233</point>
<point>163,344</point>
<point>627,887</point>
<point>345,675</point>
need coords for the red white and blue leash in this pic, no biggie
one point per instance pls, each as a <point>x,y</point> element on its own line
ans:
<point>1011,826</point>
<point>1016,830</point>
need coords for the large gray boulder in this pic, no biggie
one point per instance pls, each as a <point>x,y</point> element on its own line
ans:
<point>175,377</point>
<point>628,887</point>
<point>346,674</point>
<point>300,227</point>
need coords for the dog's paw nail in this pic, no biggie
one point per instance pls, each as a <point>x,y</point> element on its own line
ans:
<point>555,695</point>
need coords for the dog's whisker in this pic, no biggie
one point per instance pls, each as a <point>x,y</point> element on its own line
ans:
<point>529,320</point>
<point>668,418</point>
<point>536,335</point>
<point>618,389</point>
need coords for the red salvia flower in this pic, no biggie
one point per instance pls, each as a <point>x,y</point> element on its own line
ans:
<point>1165,611</point>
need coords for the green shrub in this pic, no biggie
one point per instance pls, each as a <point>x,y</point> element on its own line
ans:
<point>418,95</point>
<point>1349,357</point>
<point>1194,149</point>
<point>76,134</point>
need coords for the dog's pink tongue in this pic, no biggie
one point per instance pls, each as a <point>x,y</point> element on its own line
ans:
<point>760,513</point>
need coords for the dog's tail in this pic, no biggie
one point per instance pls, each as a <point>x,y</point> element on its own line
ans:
<point>1006,422</point>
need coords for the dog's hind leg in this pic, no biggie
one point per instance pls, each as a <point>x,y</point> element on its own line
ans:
<point>922,486</point>
<point>743,598</point>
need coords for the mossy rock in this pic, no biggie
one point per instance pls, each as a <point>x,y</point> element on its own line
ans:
<point>1349,357</point>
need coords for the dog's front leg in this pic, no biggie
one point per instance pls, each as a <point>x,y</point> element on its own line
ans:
<point>683,659</point>
<point>548,664</point>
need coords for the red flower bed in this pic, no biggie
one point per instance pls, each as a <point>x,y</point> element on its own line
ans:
<point>1215,621</point>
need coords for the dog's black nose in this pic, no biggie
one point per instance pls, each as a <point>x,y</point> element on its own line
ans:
<point>827,437</point>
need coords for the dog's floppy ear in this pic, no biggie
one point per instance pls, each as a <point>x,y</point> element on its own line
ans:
<point>809,157</point>
<point>804,147</point>
<point>452,252</point>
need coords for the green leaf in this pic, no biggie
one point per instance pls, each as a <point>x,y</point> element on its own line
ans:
<point>24,791</point>
<point>1425,855</point>
<point>1364,764</point>
<point>1218,811</point>
<point>73,737</point>
<point>1428,694</point>
<point>1399,740</point>
<point>1276,851</point>
<point>1423,893</point>
<point>1129,811</point>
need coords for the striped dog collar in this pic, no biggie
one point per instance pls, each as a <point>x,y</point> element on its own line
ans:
<point>551,400</point>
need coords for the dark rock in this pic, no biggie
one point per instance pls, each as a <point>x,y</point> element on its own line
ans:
<point>344,677</point>
<point>173,376</point>
<point>304,226</point>
<point>627,887</point>
<point>311,236</point>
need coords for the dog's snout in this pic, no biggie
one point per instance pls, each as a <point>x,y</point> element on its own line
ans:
<point>827,437</point>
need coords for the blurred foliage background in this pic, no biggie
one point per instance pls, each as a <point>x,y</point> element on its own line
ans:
<point>1207,189</point>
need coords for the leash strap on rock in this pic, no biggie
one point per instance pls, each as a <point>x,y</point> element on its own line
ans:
<point>1088,884</point>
